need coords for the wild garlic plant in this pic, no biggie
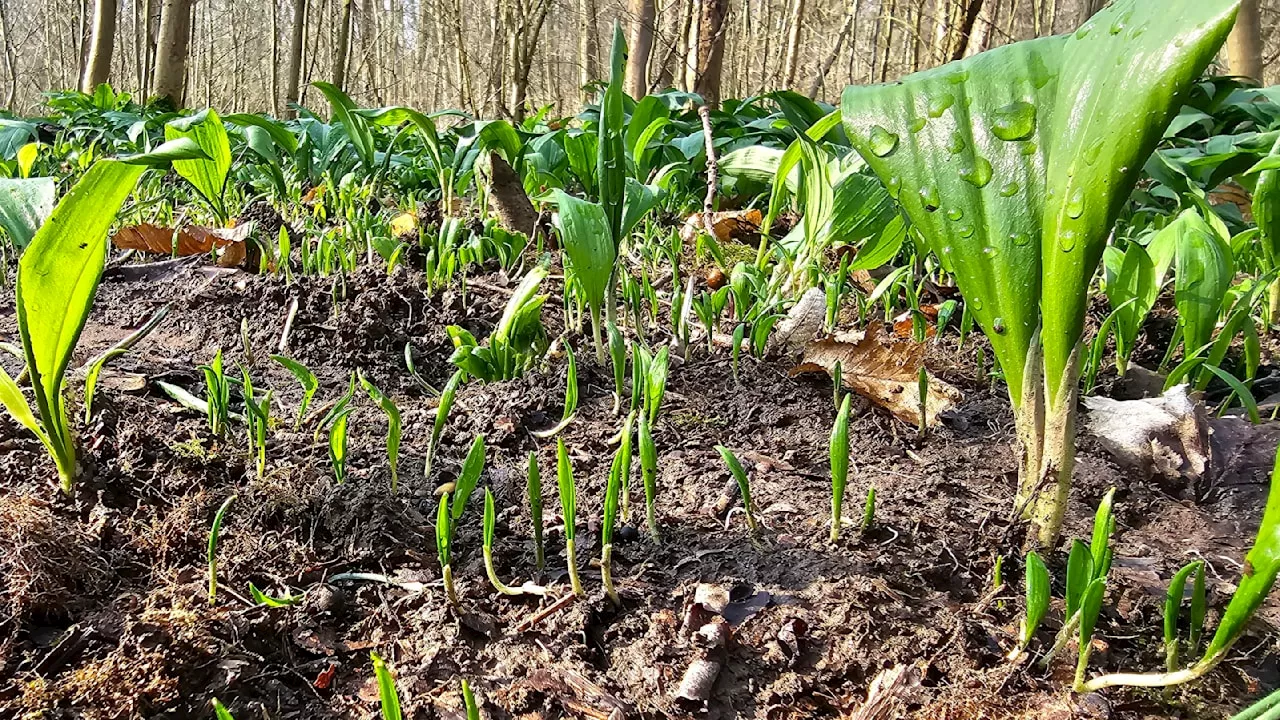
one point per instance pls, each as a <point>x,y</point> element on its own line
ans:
<point>533,491</point>
<point>306,378</point>
<point>744,486</point>
<point>490,531</point>
<point>649,475</point>
<point>389,408</point>
<point>618,474</point>
<point>453,503</point>
<point>1016,191</point>
<point>211,551</point>
<point>442,415</point>
<point>839,466</point>
<point>570,395</point>
<point>257,417</point>
<point>569,510</point>
<point>217,394</point>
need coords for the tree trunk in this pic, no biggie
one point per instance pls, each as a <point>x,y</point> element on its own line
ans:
<point>967,22</point>
<point>97,69</point>
<point>644,12</point>
<point>1090,7</point>
<point>293,78</point>
<point>793,43</point>
<point>342,47</point>
<point>10,69</point>
<point>710,50</point>
<point>171,50</point>
<point>1244,46</point>
<point>586,47</point>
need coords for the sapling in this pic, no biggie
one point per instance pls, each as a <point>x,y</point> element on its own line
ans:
<point>388,698</point>
<point>217,394</point>
<point>393,426</point>
<point>442,415</point>
<point>211,553</point>
<point>1037,589</point>
<point>1085,564</point>
<point>839,466</point>
<point>306,378</point>
<point>533,487</point>
<point>569,509</point>
<point>618,474</point>
<point>649,476</point>
<point>744,486</point>
<point>452,505</point>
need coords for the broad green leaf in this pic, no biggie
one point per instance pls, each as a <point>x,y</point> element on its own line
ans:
<point>1132,287</point>
<point>639,200</point>
<point>183,148</point>
<point>27,155</point>
<point>58,278</point>
<point>16,404</point>
<point>1036,580</point>
<point>277,130</point>
<point>568,490</point>
<point>1203,269</point>
<point>1079,575</point>
<point>611,167</point>
<point>1262,565</point>
<point>521,298</point>
<point>588,243</point>
<point>472,467</point>
<point>960,148</point>
<point>209,176</point>
<point>24,206</point>
<point>1266,208</point>
<point>344,111</point>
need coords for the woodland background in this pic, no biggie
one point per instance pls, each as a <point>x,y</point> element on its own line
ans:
<point>505,58</point>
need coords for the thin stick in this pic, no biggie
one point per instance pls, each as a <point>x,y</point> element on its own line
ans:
<point>554,608</point>
<point>708,204</point>
<point>288,327</point>
<point>127,342</point>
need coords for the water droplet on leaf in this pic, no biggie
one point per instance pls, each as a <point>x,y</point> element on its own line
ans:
<point>998,326</point>
<point>1067,240</point>
<point>1015,121</point>
<point>918,124</point>
<point>1094,150</point>
<point>966,231</point>
<point>956,144</point>
<point>882,141</point>
<point>940,104</point>
<point>929,198</point>
<point>894,186</point>
<point>1075,204</point>
<point>954,214</point>
<point>1010,189</point>
<point>1020,239</point>
<point>979,174</point>
<point>1029,149</point>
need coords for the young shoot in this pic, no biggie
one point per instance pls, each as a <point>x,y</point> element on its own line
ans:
<point>655,385</point>
<point>452,505</point>
<point>257,417</point>
<point>869,509</point>
<point>839,466</point>
<point>490,529</point>
<point>388,698</point>
<point>393,426</point>
<point>744,486</point>
<point>569,509</point>
<point>533,488</point>
<point>649,476</point>
<point>211,553</point>
<point>91,379</point>
<point>306,378</point>
<point>618,474</point>
<point>1037,588</point>
<point>217,394</point>
<point>442,415</point>
<point>1173,609</point>
<point>469,703</point>
<point>570,395</point>
<point>618,355</point>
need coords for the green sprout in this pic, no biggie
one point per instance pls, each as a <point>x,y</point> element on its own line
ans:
<point>469,702</point>
<point>649,476</point>
<point>393,426</point>
<point>338,446</point>
<point>220,711</point>
<point>1173,607</point>
<point>306,378</point>
<point>744,486</point>
<point>490,529</point>
<point>91,379</point>
<point>618,354</point>
<point>211,553</point>
<point>568,508</point>
<point>570,396</point>
<point>1085,565</point>
<point>217,394</point>
<point>533,488</point>
<point>869,509</point>
<point>287,600</point>
<point>839,466</point>
<point>618,474</point>
<point>452,505</point>
<point>1037,588</point>
<point>442,415</point>
<point>257,418</point>
<point>655,383</point>
<point>388,698</point>
<point>736,350</point>
<point>517,342</point>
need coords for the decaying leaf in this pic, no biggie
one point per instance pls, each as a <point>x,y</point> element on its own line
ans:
<point>738,225</point>
<point>1163,436</point>
<point>904,326</point>
<point>886,373</point>
<point>313,196</point>
<point>189,240</point>
<point>889,691</point>
<point>404,225</point>
<point>577,694</point>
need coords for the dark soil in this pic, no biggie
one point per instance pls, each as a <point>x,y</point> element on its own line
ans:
<point>104,609</point>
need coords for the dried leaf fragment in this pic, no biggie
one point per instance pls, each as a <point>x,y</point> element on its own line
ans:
<point>738,225</point>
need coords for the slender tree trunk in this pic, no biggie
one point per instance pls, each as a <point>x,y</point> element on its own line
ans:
<point>342,48</point>
<point>171,50</point>
<point>641,46</point>
<point>1089,7</point>
<point>794,26</point>
<point>820,76</point>
<point>293,77</point>
<point>82,39</point>
<point>972,9</point>
<point>1244,45</point>
<point>11,70</point>
<point>586,47</point>
<point>710,50</point>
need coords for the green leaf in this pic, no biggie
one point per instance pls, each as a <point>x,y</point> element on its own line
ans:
<point>264,599</point>
<point>24,206</point>
<point>58,278</point>
<point>1104,525</point>
<point>568,490</point>
<point>1132,287</point>
<point>1266,206</point>
<point>611,166</point>
<point>220,711</point>
<point>344,111</point>
<point>1203,269</point>
<point>278,131</point>
<point>472,467</point>
<point>1262,565</point>
<point>388,698</point>
<point>16,404</point>
<point>1079,575</point>
<point>392,412</point>
<point>1173,602</point>
<point>490,519</point>
<point>182,148</point>
<point>305,377</point>
<point>588,244</point>
<point>209,176</point>
<point>1037,590</point>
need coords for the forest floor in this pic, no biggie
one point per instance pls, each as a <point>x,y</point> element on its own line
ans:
<point>104,609</point>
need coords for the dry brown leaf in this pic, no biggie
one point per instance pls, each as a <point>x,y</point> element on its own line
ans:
<point>727,225</point>
<point>191,240</point>
<point>887,374</point>
<point>404,224</point>
<point>904,327</point>
<point>314,195</point>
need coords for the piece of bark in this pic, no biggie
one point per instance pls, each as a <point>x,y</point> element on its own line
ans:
<point>508,198</point>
